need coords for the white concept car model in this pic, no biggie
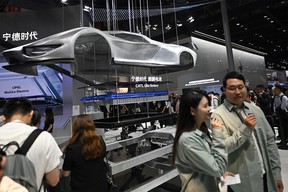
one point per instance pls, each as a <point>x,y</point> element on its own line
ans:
<point>89,50</point>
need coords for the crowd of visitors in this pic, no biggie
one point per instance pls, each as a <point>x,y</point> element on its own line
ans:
<point>216,136</point>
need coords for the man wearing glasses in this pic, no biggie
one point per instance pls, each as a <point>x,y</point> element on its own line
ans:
<point>249,140</point>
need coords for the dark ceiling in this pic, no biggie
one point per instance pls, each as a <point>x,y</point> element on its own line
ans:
<point>261,25</point>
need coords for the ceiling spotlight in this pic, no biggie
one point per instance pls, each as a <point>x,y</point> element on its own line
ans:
<point>284,30</point>
<point>246,28</point>
<point>238,24</point>
<point>271,21</point>
<point>64,1</point>
<point>155,27</point>
<point>87,8</point>
<point>215,30</point>
<point>179,24</point>
<point>147,26</point>
<point>265,16</point>
<point>190,19</point>
<point>168,27</point>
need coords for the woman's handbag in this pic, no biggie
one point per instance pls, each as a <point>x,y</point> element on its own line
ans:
<point>111,185</point>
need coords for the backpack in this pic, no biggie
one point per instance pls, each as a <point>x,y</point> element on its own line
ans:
<point>18,166</point>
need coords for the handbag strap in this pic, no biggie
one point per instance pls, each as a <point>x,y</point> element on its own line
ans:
<point>106,159</point>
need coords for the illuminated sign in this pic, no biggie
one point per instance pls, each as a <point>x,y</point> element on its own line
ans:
<point>19,88</point>
<point>201,82</point>
<point>146,82</point>
<point>145,79</point>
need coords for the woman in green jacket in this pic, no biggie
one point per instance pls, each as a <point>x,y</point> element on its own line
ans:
<point>200,159</point>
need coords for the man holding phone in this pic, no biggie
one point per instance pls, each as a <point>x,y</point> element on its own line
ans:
<point>249,140</point>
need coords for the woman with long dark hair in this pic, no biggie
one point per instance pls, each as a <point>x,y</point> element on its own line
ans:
<point>84,157</point>
<point>199,158</point>
<point>49,120</point>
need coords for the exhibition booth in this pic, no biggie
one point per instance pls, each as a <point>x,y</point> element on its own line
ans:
<point>58,58</point>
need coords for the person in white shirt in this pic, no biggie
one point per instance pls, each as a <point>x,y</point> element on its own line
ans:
<point>280,106</point>
<point>44,153</point>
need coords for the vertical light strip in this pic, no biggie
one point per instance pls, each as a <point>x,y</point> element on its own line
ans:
<point>141,16</point>
<point>148,17</point>
<point>176,26</point>
<point>162,23</point>
<point>129,15</point>
<point>108,15</point>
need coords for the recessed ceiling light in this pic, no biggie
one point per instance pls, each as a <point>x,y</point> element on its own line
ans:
<point>238,24</point>
<point>168,27</point>
<point>215,30</point>
<point>272,21</point>
<point>265,16</point>
<point>190,19</point>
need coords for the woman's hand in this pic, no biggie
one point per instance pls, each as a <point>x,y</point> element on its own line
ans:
<point>215,123</point>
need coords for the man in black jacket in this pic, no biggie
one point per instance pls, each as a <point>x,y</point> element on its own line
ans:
<point>264,102</point>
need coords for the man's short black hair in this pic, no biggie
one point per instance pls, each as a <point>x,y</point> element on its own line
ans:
<point>260,86</point>
<point>233,75</point>
<point>278,86</point>
<point>16,106</point>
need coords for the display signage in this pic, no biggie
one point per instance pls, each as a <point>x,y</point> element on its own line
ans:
<point>16,88</point>
<point>29,26</point>
<point>146,82</point>
<point>145,78</point>
<point>23,36</point>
